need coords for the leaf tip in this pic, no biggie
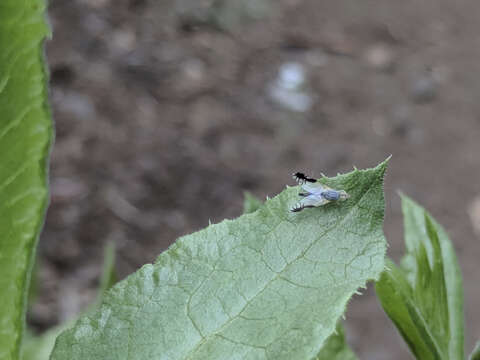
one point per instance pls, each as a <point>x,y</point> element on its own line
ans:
<point>382,167</point>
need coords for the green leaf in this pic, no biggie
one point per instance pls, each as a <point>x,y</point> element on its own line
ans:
<point>40,347</point>
<point>394,293</point>
<point>109,276</point>
<point>335,347</point>
<point>268,285</point>
<point>475,355</point>
<point>25,135</point>
<point>424,297</point>
<point>250,203</point>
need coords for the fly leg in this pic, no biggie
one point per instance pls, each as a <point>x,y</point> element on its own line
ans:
<point>300,207</point>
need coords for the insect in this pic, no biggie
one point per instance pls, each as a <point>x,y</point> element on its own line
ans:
<point>316,194</point>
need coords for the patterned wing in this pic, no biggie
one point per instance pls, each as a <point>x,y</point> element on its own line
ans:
<point>309,201</point>
<point>313,188</point>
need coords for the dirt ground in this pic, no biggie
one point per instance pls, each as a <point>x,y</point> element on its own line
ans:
<point>166,111</point>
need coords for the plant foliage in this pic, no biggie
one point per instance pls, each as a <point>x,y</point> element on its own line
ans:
<point>424,297</point>
<point>268,285</point>
<point>336,348</point>
<point>25,135</point>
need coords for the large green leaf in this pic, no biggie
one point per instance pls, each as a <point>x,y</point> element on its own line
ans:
<point>268,285</point>
<point>25,134</point>
<point>424,297</point>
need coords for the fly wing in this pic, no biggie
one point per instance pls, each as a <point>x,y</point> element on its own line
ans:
<point>313,200</point>
<point>313,188</point>
<point>309,201</point>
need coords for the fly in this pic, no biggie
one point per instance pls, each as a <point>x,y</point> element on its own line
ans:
<point>316,194</point>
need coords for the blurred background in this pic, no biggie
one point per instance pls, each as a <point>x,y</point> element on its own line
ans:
<point>167,111</point>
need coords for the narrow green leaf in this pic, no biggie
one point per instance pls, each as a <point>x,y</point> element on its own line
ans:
<point>25,134</point>
<point>109,276</point>
<point>40,347</point>
<point>475,355</point>
<point>268,285</point>
<point>395,294</point>
<point>335,347</point>
<point>424,297</point>
<point>250,203</point>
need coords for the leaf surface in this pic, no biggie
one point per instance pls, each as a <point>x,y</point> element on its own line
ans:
<point>268,285</point>
<point>25,135</point>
